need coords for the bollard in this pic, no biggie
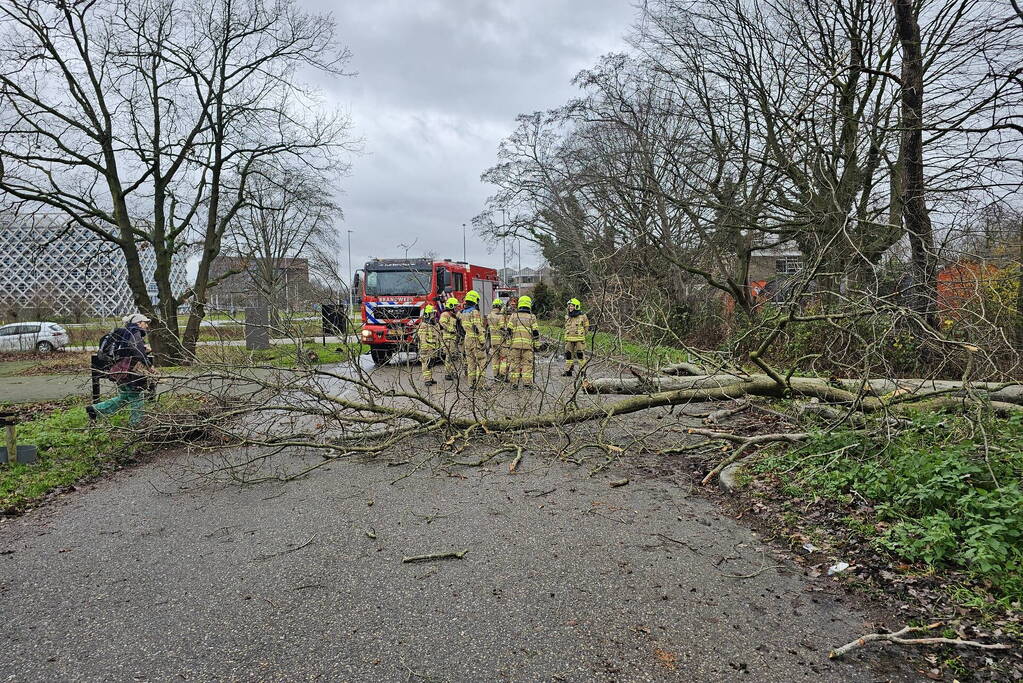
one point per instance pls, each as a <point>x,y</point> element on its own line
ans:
<point>95,375</point>
<point>12,453</point>
<point>12,444</point>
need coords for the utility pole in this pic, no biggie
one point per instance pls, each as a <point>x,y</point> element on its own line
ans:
<point>504,243</point>
<point>351,278</point>
<point>463,244</point>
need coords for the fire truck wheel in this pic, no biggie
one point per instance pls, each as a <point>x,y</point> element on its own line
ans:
<point>380,356</point>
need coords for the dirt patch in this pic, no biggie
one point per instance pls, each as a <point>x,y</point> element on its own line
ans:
<point>62,363</point>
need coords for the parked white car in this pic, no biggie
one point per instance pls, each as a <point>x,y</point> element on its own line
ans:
<point>41,337</point>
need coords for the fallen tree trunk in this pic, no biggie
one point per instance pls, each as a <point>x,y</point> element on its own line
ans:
<point>903,389</point>
<point>997,391</point>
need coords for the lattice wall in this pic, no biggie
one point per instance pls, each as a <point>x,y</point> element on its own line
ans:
<point>68,271</point>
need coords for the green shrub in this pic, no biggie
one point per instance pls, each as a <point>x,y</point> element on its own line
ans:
<point>941,498</point>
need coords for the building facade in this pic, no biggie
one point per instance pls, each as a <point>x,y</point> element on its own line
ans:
<point>251,281</point>
<point>50,270</point>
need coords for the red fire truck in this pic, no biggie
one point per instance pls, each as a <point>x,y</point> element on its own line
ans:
<point>394,292</point>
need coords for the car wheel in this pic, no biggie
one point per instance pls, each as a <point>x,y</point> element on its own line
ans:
<point>44,347</point>
<point>380,356</point>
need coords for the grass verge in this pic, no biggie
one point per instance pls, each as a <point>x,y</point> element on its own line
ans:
<point>71,451</point>
<point>605,344</point>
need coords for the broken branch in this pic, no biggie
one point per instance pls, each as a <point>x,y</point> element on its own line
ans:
<point>897,638</point>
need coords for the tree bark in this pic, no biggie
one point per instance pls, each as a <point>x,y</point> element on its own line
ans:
<point>915,216</point>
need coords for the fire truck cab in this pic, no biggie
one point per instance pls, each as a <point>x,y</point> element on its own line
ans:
<point>395,291</point>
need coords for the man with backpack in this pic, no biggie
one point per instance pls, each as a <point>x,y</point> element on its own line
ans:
<point>131,368</point>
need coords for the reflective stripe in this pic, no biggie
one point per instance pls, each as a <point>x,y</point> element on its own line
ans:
<point>449,324</point>
<point>522,326</point>
<point>472,323</point>
<point>576,327</point>
<point>428,336</point>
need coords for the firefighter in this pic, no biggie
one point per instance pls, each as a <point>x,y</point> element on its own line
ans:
<point>428,337</point>
<point>576,327</point>
<point>474,345</point>
<point>497,322</point>
<point>449,338</point>
<point>523,338</point>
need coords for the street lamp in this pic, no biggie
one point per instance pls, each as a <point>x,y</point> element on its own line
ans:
<point>504,244</point>
<point>351,279</point>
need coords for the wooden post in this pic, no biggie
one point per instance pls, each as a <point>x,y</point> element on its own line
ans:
<point>95,377</point>
<point>12,445</point>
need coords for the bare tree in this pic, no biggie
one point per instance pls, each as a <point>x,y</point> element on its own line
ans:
<point>144,120</point>
<point>289,215</point>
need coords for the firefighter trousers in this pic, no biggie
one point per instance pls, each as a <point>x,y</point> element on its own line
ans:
<point>499,360</point>
<point>575,354</point>
<point>427,358</point>
<point>452,358</point>
<point>475,361</point>
<point>520,366</point>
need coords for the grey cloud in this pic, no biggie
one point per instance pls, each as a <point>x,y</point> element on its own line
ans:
<point>439,84</point>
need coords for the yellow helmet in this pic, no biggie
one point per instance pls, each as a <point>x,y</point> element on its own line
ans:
<point>575,302</point>
<point>525,302</point>
<point>428,310</point>
<point>451,302</point>
<point>497,303</point>
<point>472,296</point>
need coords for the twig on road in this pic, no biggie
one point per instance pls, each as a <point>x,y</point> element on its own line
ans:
<point>261,558</point>
<point>515,463</point>
<point>675,540</point>
<point>756,573</point>
<point>435,556</point>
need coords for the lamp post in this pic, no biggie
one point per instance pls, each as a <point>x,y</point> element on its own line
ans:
<point>504,243</point>
<point>463,244</point>
<point>351,278</point>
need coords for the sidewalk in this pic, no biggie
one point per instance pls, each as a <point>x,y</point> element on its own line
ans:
<point>241,342</point>
<point>30,389</point>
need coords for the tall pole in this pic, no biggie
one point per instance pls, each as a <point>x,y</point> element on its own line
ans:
<point>463,244</point>
<point>351,277</point>
<point>504,243</point>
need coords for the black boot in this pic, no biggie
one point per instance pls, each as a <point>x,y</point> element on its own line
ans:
<point>567,373</point>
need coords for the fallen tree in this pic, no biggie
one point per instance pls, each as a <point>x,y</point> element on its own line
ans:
<point>866,395</point>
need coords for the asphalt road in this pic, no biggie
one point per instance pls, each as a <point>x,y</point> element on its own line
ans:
<point>165,571</point>
<point>565,579</point>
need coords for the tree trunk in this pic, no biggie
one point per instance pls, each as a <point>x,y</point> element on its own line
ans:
<point>763,385</point>
<point>1019,291</point>
<point>915,217</point>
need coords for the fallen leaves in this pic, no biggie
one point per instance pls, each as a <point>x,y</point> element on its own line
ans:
<point>667,659</point>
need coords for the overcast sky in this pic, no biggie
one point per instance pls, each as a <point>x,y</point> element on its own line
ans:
<point>439,85</point>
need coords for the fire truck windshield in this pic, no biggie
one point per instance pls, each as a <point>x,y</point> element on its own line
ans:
<point>398,282</point>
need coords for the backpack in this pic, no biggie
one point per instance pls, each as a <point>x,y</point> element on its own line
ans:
<point>109,345</point>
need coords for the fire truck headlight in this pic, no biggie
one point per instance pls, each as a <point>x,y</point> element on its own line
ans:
<point>367,334</point>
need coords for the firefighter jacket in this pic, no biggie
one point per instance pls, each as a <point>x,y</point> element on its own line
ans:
<point>474,325</point>
<point>523,330</point>
<point>497,323</point>
<point>428,335</point>
<point>576,326</point>
<point>449,325</point>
